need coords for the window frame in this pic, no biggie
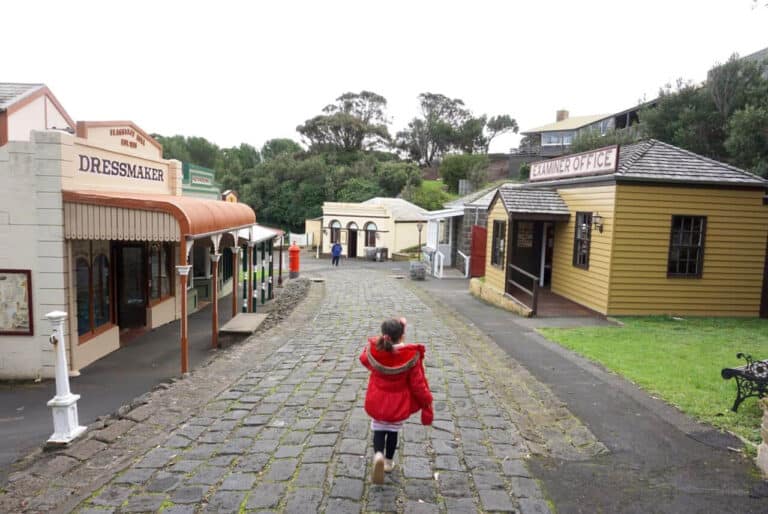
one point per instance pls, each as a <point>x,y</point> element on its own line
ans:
<point>370,235</point>
<point>166,249</point>
<point>92,330</point>
<point>335,227</point>
<point>499,230</point>
<point>582,245</point>
<point>700,246</point>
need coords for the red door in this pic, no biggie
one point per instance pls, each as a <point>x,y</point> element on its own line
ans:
<point>477,251</point>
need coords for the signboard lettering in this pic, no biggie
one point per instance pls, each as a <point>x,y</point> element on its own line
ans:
<point>90,164</point>
<point>201,181</point>
<point>130,133</point>
<point>594,162</point>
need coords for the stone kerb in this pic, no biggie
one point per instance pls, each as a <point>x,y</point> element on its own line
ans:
<point>480,290</point>
<point>762,449</point>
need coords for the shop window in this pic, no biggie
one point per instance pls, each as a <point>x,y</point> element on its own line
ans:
<point>92,284</point>
<point>335,232</point>
<point>686,246</point>
<point>370,234</point>
<point>160,270</point>
<point>225,264</point>
<point>581,239</point>
<point>497,243</point>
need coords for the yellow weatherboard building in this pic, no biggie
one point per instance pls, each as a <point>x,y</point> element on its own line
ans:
<point>646,228</point>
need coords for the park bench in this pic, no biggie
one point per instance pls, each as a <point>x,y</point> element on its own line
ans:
<point>751,379</point>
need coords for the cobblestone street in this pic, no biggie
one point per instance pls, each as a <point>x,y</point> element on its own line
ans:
<point>286,430</point>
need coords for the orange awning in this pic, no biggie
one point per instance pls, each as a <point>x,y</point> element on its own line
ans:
<point>196,216</point>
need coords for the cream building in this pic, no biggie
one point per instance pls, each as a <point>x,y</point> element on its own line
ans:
<point>390,223</point>
<point>95,224</point>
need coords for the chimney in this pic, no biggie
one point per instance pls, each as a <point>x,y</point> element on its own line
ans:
<point>561,115</point>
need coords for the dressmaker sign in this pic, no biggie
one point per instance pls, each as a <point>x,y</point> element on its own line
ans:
<point>117,168</point>
<point>594,162</point>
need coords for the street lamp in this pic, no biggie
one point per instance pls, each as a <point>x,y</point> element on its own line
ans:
<point>419,226</point>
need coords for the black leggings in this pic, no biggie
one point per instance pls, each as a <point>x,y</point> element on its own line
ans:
<point>382,438</point>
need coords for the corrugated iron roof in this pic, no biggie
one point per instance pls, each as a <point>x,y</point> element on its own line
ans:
<point>572,123</point>
<point>400,209</point>
<point>532,201</point>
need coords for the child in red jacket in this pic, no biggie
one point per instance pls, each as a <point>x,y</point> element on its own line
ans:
<point>397,388</point>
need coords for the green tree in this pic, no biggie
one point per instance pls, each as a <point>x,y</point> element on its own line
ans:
<point>591,139</point>
<point>359,190</point>
<point>355,122</point>
<point>430,199</point>
<point>394,176</point>
<point>456,167</point>
<point>277,146</point>
<point>498,125</point>
<point>747,139</point>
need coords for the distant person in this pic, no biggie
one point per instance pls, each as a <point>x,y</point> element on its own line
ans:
<point>335,253</point>
<point>397,388</point>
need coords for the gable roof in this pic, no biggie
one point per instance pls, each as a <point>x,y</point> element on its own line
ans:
<point>655,161</point>
<point>571,123</point>
<point>531,201</point>
<point>14,95</point>
<point>400,209</point>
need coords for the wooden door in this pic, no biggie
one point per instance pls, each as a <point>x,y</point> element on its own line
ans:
<point>352,244</point>
<point>132,286</point>
<point>477,246</point>
<point>525,241</point>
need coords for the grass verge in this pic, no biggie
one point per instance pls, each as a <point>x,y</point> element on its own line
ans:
<point>679,360</point>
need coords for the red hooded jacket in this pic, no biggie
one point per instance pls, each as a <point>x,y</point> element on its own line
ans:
<point>397,386</point>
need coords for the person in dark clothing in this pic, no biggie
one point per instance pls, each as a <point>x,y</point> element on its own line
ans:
<point>335,253</point>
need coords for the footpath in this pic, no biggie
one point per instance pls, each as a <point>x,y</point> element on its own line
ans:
<point>277,423</point>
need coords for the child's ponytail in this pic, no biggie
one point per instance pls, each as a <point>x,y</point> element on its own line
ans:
<point>391,333</point>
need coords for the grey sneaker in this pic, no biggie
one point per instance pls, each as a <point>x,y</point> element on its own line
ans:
<point>377,475</point>
<point>389,465</point>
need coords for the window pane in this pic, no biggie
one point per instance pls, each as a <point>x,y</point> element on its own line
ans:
<point>100,291</point>
<point>154,271</point>
<point>165,276</point>
<point>82,276</point>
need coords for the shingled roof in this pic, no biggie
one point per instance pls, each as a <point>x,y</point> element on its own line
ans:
<point>532,201</point>
<point>10,92</point>
<point>655,161</point>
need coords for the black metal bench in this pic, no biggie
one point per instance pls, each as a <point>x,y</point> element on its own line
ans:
<point>751,379</point>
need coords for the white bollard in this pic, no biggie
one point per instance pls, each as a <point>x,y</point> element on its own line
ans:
<point>66,426</point>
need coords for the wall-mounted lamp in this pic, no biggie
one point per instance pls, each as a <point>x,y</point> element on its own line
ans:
<point>597,222</point>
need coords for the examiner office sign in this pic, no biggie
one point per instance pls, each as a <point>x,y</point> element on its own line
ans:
<point>594,162</point>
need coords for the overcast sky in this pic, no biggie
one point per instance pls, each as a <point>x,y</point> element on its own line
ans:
<point>247,73</point>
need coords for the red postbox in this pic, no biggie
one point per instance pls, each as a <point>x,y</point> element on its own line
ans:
<point>293,261</point>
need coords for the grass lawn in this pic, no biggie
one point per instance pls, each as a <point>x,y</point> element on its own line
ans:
<point>680,362</point>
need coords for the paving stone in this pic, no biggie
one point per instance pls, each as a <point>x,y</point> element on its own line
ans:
<point>381,499</point>
<point>114,431</point>
<point>447,463</point>
<point>284,451</point>
<point>353,446</point>
<point>343,506</point>
<point>55,466</point>
<point>266,496</point>
<point>323,440</point>
<point>443,447</point>
<point>88,510</point>
<point>318,454</point>
<point>252,463</point>
<point>515,467</point>
<point>264,446</point>
<point>143,503</point>
<point>223,461</point>
<point>488,479</point>
<point>236,447</point>
<point>208,475</point>
<point>135,476</point>
<point>417,467</point>
<point>225,502</point>
<point>201,452</point>
<point>272,433</point>
<point>238,482</point>
<point>141,413</point>
<point>302,500</point>
<point>112,496</point>
<point>281,470</point>
<point>525,487</point>
<point>453,483</point>
<point>347,488</point>
<point>257,420</point>
<point>424,490</point>
<point>213,437</point>
<point>496,500</point>
<point>311,475</point>
<point>192,494</point>
<point>415,507</point>
<point>352,466</point>
<point>180,509</point>
<point>163,482</point>
<point>157,458</point>
<point>177,441</point>
<point>460,506</point>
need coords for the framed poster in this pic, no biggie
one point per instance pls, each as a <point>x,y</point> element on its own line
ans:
<point>15,302</point>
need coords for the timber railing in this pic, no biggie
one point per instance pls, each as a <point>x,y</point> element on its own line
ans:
<point>533,291</point>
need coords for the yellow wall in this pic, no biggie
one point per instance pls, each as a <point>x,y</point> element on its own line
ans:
<point>734,252</point>
<point>495,276</point>
<point>588,287</point>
